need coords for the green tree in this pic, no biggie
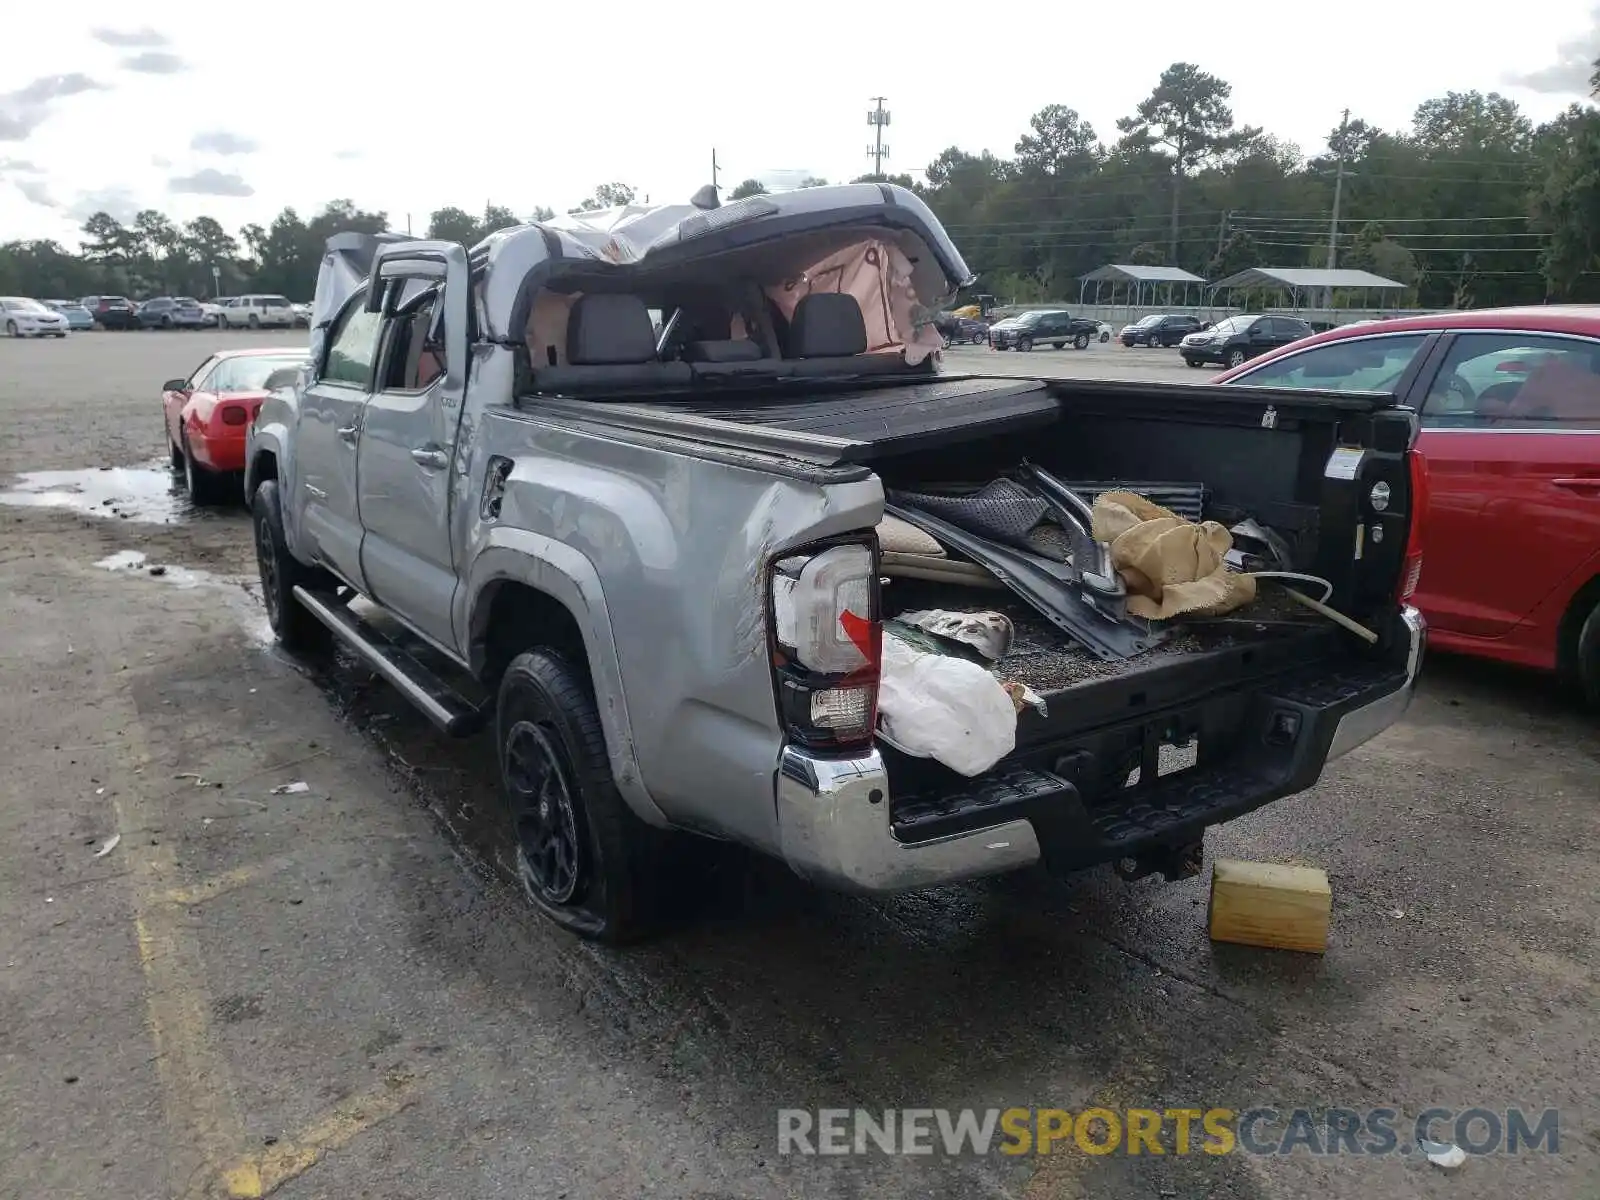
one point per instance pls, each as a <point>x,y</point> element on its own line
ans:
<point>608,195</point>
<point>1238,253</point>
<point>1188,117</point>
<point>1060,140</point>
<point>495,218</point>
<point>541,213</point>
<point>811,181</point>
<point>750,187</point>
<point>453,225</point>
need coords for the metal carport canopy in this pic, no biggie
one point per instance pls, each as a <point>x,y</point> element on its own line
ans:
<point>1129,273</point>
<point>1296,278</point>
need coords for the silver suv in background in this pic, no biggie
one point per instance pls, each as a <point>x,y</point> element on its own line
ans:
<point>257,312</point>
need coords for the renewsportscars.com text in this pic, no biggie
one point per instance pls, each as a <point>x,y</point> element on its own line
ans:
<point>1152,1131</point>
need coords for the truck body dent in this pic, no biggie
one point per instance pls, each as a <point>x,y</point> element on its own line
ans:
<point>660,558</point>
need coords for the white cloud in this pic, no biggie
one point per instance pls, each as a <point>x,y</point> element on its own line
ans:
<point>210,182</point>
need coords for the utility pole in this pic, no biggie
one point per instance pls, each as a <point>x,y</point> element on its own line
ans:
<point>1338,194</point>
<point>1222,230</point>
<point>878,117</point>
<point>714,185</point>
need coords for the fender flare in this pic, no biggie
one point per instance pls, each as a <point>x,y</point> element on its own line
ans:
<point>564,574</point>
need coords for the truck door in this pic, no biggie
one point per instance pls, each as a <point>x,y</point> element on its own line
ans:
<point>325,439</point>
<point>407,456</point>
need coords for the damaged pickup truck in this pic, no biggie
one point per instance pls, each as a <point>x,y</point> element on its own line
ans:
<point>677,504</point>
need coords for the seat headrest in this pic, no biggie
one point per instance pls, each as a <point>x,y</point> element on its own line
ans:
<point>827,325</point>
<point>729,350</point>
<point>606,330</point>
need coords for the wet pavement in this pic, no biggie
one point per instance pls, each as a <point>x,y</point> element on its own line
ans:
<point>338,991</point>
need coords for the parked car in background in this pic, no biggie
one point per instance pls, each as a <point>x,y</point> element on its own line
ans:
<point>1160,329</point>
<point>212,311</point>
<point>1234,340</point>
<point>955,328</point>
<point>258,312</point>
<point>1509,405</point>
<point>208,414</point>
<point>112,312</point>
<point>1055,327</point>
<point>302,315</point>
<point>21,316</point>
<point>1104,331</point>
<point>171,312</point>
<point>78,317</point>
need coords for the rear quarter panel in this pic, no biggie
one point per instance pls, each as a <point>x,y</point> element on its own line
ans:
<point>660,554</point>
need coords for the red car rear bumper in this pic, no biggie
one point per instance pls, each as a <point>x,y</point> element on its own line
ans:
<point>219,452</point>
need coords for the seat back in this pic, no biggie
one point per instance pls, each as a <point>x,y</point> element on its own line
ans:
<point>610,344</point>
<point>828,336</point>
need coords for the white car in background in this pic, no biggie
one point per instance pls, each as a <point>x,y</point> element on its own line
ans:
<point>21,316</point>
<point>257,312</point>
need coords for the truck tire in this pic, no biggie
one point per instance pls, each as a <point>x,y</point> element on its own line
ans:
<point>1024,344</point>
<point>584,859</point>
<point>295,628</point>
<point>1081,342</point>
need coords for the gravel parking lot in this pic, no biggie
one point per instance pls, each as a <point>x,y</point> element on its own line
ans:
<point>335,991</point>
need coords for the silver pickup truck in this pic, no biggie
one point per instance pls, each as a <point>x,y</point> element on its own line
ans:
<point>611,487</point>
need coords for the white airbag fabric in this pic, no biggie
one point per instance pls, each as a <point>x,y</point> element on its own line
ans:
<point>944,708</point>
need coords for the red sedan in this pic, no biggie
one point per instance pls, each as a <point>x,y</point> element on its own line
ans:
<point>207,415</point>
<point>1510,412</point>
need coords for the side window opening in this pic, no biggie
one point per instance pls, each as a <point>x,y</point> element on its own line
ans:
<point>416,353</point>
<point>353,345</point>
<point>1516,381</point>
<point>1356,365</point>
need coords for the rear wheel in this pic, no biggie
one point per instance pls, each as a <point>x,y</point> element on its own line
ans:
<point>293,625</point>
<point>1081,342</point>
<point>1587,659</point>
<point>255,321</point>
<point>1105,335</point>
<point>584,859</point>
<point>979,338</point>
<point>206,488</point>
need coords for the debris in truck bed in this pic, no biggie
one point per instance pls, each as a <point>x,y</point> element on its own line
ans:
<point>943,706</point>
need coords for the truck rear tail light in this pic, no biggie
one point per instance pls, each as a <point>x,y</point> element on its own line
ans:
<point>235,415</point>
<point>827,644</point>
<point>1411,571</point>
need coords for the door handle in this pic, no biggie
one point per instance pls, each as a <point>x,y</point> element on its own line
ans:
<point>431,458</point>
<point>349,433</point>
<point>1579,483</point>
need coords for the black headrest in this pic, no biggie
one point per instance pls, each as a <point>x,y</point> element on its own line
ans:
<point>606,330</point>
<point>827,325</point>
<point>731,350</point>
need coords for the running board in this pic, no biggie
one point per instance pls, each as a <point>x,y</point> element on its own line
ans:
<point>436,699</point>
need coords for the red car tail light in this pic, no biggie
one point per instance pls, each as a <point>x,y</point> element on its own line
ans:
<point>828,644</point>
<point>1411,572</point>
<point>235,414</point>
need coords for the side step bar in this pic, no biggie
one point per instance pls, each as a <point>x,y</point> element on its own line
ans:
<point>432,695</point>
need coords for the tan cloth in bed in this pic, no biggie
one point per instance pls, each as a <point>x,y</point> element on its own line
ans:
<point>1172,567</point>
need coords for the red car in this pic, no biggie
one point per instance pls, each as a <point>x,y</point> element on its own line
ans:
<point>1510,413</point>
<point>207,414</point>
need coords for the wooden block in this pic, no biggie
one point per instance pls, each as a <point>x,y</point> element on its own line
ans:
<point>1269,904</point>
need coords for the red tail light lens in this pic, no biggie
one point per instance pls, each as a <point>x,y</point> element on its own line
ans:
<point>828,644</point>
<point>235,415</point>
<point>1411,573</point>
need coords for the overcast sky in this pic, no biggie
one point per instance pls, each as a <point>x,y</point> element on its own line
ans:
<point>236,111</point>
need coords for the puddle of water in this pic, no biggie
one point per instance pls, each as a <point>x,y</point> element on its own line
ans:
<point>144,493</point>
<point>121,560</point>
<point>240,594</point>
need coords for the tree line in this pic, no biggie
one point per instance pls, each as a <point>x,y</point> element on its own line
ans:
<point>1471,205</point>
